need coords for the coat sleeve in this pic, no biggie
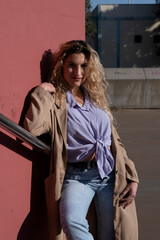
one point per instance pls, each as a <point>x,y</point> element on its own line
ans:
<point>38,118</point>
<point>131,173</point>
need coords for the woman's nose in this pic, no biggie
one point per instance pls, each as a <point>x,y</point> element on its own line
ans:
<point>78,71</point>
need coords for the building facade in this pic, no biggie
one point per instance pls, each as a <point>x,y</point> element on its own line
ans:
<point>127,35</point>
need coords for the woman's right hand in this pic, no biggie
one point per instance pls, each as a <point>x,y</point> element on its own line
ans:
<point>48,87</point>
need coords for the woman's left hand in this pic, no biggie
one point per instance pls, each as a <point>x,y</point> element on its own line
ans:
<point>128,195</point>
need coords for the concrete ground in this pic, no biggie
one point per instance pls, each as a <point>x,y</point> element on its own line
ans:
<point>140,132</point>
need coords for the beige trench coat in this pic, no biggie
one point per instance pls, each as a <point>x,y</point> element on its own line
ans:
<point>45,115</point>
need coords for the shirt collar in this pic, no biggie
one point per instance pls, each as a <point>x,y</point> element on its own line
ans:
<point>71,102</point>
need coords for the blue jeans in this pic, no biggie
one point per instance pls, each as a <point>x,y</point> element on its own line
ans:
<point>79,188</point>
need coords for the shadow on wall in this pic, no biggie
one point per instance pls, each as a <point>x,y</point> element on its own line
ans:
<point>46,69</point>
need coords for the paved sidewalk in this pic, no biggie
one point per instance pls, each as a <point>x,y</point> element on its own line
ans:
<point>140,132</point>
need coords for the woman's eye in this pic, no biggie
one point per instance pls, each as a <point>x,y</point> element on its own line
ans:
<point>84,65</point>
<point>71,65</point>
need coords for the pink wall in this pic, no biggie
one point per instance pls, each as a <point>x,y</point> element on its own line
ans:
<point>27,29</point>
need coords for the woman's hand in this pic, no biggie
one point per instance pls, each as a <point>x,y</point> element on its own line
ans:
<point>48,87</point>
<point>128,195</point>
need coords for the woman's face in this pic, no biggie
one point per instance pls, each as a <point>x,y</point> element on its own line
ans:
<point>75,70</point>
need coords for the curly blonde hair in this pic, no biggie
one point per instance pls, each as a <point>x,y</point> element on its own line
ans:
<point>95,83</point>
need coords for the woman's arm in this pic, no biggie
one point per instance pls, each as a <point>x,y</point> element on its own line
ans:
<point>38,118</point>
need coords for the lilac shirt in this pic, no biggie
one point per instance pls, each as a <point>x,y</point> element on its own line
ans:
<point>88,130</point>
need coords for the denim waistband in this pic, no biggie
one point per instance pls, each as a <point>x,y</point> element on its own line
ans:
<point>83,165</point>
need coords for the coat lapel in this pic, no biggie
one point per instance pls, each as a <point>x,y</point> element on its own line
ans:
<point>61,115</point>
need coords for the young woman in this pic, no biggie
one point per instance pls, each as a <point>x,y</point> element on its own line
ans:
<point>88,162</point>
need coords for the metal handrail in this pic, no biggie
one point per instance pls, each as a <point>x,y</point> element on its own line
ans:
<point>23,134</point>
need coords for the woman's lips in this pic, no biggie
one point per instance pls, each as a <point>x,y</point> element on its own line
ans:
<point>77,78</point>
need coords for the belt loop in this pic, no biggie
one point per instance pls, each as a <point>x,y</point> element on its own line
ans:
<point>88,165</point>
